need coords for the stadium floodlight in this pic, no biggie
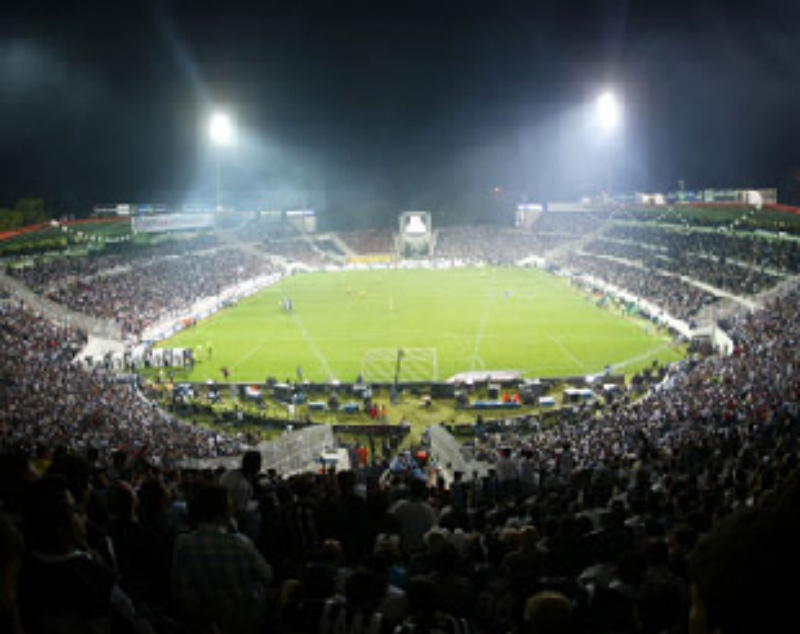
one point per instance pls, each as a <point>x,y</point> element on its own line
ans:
<point>608,120</point>
<point>222,134</point>
<point>220,129</point>
<point>609,111</point>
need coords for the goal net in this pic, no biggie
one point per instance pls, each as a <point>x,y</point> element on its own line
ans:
<point>380,365</point>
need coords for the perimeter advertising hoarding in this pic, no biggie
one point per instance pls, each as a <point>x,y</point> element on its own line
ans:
<point>766,196</point>
<point>172,222</point>
<point>375,258</point>
<point>302,219</point>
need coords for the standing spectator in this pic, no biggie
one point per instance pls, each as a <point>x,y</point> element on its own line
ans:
<point>507,472</point>
<point>154,507</point>
<point>415,517</point>
<point>301,517</point>
<point>128,539</point>
<point>456,592</point>
<point>219,578</point>
<point>349,519</point>
<point>241,484</point>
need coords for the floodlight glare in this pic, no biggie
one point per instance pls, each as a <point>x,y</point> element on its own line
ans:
<point>222,133</point>
<point>608,111</point>
<point>221,129</point>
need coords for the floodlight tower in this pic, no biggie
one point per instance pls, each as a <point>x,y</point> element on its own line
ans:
<point>608,112</point>
<point>222,134</point>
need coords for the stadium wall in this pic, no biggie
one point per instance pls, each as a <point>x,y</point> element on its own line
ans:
<point>449,457</point>
<point>295,452</point>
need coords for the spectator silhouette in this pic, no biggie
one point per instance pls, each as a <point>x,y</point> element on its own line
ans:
<point>219,578</point>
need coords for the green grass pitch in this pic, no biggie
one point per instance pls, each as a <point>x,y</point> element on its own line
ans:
<point>474,319</point>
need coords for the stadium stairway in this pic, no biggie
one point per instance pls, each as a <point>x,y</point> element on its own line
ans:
<point>340,244</point>
<point>229,238</point>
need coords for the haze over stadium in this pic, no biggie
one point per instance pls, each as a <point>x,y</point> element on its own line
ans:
<point>361,111</point>
<point>441,318</point>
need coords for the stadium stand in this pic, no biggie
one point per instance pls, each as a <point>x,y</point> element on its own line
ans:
<point>369,242</point>
<point>138,294</point>
<point>648,515</point>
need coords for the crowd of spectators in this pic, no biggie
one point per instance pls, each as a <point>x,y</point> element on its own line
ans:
<point>489,244</point>
<point>369,241</point>
<point>506,245</point>
<point>571,225</point>
<point>48,274</point>
<point>759,252</point>
<point>670,293</point>
<point>138,296</point>
<point>265,229</point>
<point>670,514</point>
<point>47,399</point>
<point>297,250</point>
<point>275,237</point>
<point>640,517</point>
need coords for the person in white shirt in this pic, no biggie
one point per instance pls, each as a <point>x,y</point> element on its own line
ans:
<point>415,516</point>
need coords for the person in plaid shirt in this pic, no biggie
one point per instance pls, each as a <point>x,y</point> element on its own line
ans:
<point>220,580</point>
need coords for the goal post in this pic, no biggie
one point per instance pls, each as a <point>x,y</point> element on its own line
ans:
<point>381,365</point>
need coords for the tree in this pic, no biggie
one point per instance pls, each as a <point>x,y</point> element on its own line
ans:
<point>32,210</point>
<point>10,219</point>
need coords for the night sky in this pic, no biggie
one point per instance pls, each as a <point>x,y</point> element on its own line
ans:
<point>361,110</point>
